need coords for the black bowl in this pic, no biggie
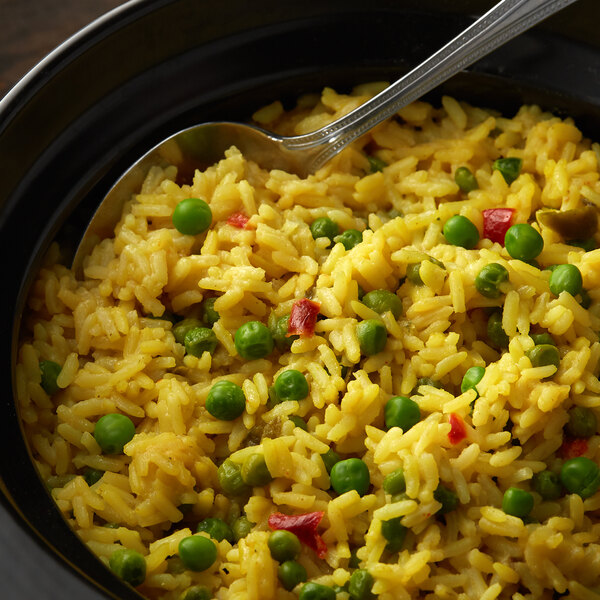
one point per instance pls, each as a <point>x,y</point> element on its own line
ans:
<point>150,68</point>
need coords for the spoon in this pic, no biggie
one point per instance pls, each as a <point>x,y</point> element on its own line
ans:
<point>304,154</point>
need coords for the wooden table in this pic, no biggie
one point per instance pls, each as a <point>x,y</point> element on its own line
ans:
<point>32,28</point>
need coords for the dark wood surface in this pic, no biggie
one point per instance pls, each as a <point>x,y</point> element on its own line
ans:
<point>32,28</point>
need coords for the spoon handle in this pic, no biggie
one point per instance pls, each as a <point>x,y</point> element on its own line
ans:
<point>504,21</point>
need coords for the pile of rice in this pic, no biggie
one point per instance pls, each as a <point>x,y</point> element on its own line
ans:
<point>116,357</point>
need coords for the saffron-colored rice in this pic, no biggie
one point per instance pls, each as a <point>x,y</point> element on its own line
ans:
<point>118,355</point>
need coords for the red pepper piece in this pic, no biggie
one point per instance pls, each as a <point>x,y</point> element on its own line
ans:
<point>304,527</point>
<point>573,447</point>
<point>496,222</point>
<point>303,318</point>
<point>458,431</point>
<point>239,220</point>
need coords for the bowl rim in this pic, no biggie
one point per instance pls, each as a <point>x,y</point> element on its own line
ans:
<point>26,88</point>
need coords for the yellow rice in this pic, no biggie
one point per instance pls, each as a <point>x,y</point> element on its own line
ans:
<point>115,358</point>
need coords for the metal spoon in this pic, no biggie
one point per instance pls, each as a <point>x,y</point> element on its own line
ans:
<point>304,154</point>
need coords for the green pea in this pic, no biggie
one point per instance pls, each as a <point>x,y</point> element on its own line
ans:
<point>394,532</point>
<point>166,316</point>
<point>587,245</point>
<point>209,315</point>
<point>192,216</point>
<point>180,330</point>
<point>349,239</point>
<point>496,334</point>
<point>488,280</point>
<point>350,474</point>
<point>255,472</point>
<point>465,180</point>
<point>199,340</point>
<point>459,231</point>
<point>284,545</point>
<point>544,355</point>
<point>291,385</point>
<point>230,478</point>
<point>59,481</point>
<point>580,476</point>
<point>402,412</point>
<point>298,422</point>
<point>175,565</point>
<point>508,167</point>
<point>197,552</point>
<point>376,164</point>
<point>471,378</point>
<point>413,273</point>
<point>353,561</point>
<point>234,511</point>
<point>92,476</point>
<point>372,336</point>
<point>447,498</point>
<point>316,591</point>
<point>547,485</point>
<point>291,573</point>
<point>566,278</point>
<point>582,422</point>
<point>542,338</point>
<point>50,372</point>
<point>330,458</point>
<point>324,227</point>
<point>241,527</point>
<point>197,592</point>
<point>360,585</point>
<point>279,330</point>
<point>517,502</point>
<point>437,262</point>
<point>586,300</point>
<point>382,301</point>
<point>523,242</point>
<point>425,381</point>
<point>413,270</point>
<point>186,508</point>
<point>113,431</point>
<point>394,482</point>
<point>129,565</point>
<point>253,340</point>
<point>226,401</point>
<point>216,528</point>
<point>273,399</point>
